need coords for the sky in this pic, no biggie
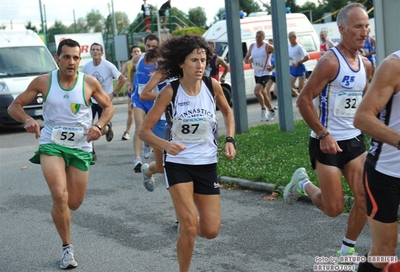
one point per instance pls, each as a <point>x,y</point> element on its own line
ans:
<point>23,11</point>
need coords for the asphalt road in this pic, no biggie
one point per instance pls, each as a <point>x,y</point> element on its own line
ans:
<point>122,227</point>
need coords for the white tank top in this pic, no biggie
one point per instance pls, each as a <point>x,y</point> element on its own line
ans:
<point>67,114</point>
<point>387,157</point>
<point>339,99</point>
<point>260,60</point>
<point>194,123</point>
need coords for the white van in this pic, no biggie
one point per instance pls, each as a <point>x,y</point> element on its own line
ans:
<point>297,22</point>
<point>23,56</point>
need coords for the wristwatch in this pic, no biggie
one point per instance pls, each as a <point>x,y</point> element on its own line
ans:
<point>114,93</point>
<point>322,135</point>
<point>98,126</point>
<point>230,139</point>
<point>398,145</point>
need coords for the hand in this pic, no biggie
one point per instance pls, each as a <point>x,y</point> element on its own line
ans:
<point>230,151</point>
<point>175,148</point>
<point>222,79</point>
<point>129,89</point>
<point>328,145</point>
<point>32,126</point>
<point>93,133</point>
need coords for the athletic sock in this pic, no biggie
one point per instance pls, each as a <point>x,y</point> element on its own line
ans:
<point>346,245</point>
<point>303,183</point>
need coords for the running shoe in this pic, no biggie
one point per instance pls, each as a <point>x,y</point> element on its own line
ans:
<point>67,258</point>
<point>137,164</point>
<point>125,136</point>
<point>148,182</point>
<point>146,151</point>
<point>350,258</point>
<point>271,115</point>
<point>110,133</point>
<point>292,190</point>
<point>263,116</point>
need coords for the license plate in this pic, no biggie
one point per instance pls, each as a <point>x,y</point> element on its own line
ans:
<point>38,112</point>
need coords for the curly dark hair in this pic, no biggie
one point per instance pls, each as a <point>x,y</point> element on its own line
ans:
<point>152,54</point>
<point>174,51</point>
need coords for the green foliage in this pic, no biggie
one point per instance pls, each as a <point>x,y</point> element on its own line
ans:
<point>95,21</point>
<point>267,154</point>
<point>188,30</point>
<point>249,6</point>
<point>31,27</point>
<point>198,17</point>
<point>57,28</point>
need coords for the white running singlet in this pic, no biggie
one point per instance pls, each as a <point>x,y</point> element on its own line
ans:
<point>339,99</point>
<point>67,115</point>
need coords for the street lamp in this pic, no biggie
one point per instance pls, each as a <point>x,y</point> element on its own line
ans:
<point>310,11</point>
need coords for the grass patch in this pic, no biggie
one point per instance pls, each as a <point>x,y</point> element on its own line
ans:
<point>267,154</point>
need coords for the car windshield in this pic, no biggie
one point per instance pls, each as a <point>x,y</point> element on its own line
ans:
<point>20,61</point>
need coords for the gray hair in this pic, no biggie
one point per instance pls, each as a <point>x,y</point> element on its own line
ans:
<point>261,33</point>
<point>343,14</point>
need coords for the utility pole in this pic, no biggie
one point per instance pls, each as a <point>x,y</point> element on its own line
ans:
<point>73,12</point>
<point>115,33</point>
<point>41,18</point>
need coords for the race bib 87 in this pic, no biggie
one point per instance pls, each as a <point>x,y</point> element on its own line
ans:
<point>191,129</point>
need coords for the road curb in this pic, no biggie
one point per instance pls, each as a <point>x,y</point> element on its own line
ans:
<point>256,186</point>
<point>265,187</point>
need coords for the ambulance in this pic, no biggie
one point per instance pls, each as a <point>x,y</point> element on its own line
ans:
<point>297,22</point>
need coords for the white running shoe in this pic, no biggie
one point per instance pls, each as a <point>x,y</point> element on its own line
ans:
<point>148,182</point>
<point>292,190</point>
<point>271,115</point>
<point>263,116</point>
<point>125,136</point>
<point>67,258</point>
<point>137,165</point>
<point>146,151</point>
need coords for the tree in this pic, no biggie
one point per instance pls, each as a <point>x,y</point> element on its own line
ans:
<point>198,17</point>
<point>95,21</point>
<point>249,6</point>
<point>80,26</point>
<point>57,28</point>
<point>218,16</point>
<point>188,30</point>
<point>30,26</point>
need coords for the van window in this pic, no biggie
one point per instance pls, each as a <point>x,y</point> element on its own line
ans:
<point>220,48</point>
<point>307,42</point>
<point>20,61</point>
